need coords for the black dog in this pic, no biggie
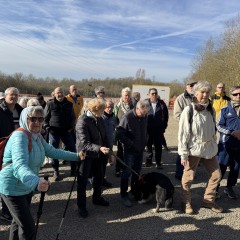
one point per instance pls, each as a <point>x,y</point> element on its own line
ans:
<point>154,183</point>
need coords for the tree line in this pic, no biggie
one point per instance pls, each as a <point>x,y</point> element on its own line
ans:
<point>29,84</point>
<point>219,59</point>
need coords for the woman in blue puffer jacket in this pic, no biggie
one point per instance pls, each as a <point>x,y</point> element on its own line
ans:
<point>19,175</point>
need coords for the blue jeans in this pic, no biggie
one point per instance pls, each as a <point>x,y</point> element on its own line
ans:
<point>134,161</point>
<point>68,141</point>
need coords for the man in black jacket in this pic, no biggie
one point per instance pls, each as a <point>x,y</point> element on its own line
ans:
<point>60,122</point>
<point>132,133</point>
<point>10,112</point>
<point>157,124</point>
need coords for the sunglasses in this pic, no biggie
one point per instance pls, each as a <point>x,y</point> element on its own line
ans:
<point>102,92</point>
<point>191,85</point>
<point>154,93</point>
<point>35,119</point>
<point>236,94</point>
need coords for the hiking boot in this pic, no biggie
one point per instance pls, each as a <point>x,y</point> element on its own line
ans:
<point>126,201</point>
<point>188,208</point>
<point>83,212</point>
<point>213,206</point>
<point>101,202</point>
<point>230,193</point>
<point>6,217</point>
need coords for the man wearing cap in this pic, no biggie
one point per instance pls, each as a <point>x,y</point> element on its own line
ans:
<point>180,103</point>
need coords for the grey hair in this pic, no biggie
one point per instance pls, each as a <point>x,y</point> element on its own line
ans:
<point>99,89</point>
<point>143,104</point>
<point>202,86</point>
<point>126,90</point>
<point>232,89</point>
<point>23,102</point>
<point>33,102</point>
<point>35,109</point>
<point>11,89</point>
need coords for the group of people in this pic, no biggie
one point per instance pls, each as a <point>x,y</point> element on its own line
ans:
<point>88,132</point>
<point>201,119</point>
<point>87,137</point>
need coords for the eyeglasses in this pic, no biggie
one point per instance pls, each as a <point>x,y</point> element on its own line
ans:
<point>191,85</point>
<point>236,94</point>
<point>154,93</point>
<point>35,119</point>
<point>102,92</point>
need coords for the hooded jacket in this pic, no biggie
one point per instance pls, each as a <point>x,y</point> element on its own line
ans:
<point>20,176</point>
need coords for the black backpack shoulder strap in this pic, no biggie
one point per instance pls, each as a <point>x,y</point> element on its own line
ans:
<point>190,116</point>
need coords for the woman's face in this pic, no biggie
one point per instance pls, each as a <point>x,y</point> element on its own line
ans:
<point>98,113</point>
<point>126,97</point>
<point>35,122</point>
<point>202,96</point>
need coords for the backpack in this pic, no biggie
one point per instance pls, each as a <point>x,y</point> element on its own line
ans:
<point>4,140</point>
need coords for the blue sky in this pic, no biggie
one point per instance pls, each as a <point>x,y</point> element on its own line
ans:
<point>102,38</point>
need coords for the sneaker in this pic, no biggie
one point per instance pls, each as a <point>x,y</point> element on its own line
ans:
<point>83,212</point>
<point>106,183</point>
<point>101,202</point>
<point>126,201</point>
<point>213,206</point>
<point>230,193</point>
<point>6,217</point>
<point>188,208</point>
<point>159,166</point>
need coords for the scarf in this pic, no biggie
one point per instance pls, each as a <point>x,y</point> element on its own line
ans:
<point>125,107</point>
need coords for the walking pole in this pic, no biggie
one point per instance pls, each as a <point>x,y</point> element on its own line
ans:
<point>123,163</point>
<point>39,212</point>
<point>65,210</point>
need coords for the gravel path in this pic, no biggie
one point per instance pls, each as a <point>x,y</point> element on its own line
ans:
<point>139,222</point>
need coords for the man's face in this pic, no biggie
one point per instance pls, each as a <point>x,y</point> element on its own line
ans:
<point>58,94</point>
<point>12,97</point>
<point>236,95</point>
<point>189,88</point>
<point>73,91</point>
<point>153,95</point>
<point>220,88</point>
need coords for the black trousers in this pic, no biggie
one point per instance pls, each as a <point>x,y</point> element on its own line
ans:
<point>23,226</point>
<point>154,138</point>
<point>94,168</point>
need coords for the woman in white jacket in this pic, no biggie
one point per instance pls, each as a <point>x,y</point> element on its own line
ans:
<point>197,141</point>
